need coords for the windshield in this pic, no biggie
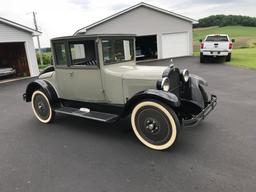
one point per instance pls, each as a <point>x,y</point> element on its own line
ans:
<point>117,50</point>
<point>217,38</point>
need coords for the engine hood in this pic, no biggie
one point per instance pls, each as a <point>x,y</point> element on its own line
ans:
<point>134,72</point>
<point>129,79</point>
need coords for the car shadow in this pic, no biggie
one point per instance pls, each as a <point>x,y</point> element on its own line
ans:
<point>121,132</point>
<point>215,60</point>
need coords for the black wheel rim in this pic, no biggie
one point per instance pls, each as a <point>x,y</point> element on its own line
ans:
<point>41,106</point>
<point>153,125</point>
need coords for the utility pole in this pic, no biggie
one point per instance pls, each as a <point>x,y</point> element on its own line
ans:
<point>38,40</point>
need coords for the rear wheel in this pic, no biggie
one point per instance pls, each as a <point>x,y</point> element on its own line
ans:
<point>41,107</point>
<point>202,58</point>
<point>155,124</point>
<point>228,58</point>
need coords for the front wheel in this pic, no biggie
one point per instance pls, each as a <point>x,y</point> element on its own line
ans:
<point>41,107</point>
<point>155,124</point>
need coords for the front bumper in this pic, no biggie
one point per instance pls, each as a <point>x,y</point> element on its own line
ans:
<point>195,120</point>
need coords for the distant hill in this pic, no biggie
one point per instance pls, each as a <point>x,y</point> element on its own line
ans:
<point>226,20</point>
<point>245,36</point>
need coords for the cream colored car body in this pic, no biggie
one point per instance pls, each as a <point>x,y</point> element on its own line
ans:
<point>111,83</point>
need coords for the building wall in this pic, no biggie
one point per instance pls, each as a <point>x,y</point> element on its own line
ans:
<point>145,21</point>
<point>10,34</point>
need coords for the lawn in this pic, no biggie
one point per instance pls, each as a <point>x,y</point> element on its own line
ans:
<point>43,66</point>
<point>244,52</point>
<point>244,58</point>
<point>245,36</point>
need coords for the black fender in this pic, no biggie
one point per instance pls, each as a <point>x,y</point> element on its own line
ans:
<point>46,87</point>
<point>151,94</point>
<point>196,93</point>
<point>50,68</point>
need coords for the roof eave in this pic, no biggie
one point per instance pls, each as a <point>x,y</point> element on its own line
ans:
<point>19,26</point>
<point>84,29</point>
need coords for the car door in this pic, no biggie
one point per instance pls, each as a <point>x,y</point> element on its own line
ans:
<point>77,71</point>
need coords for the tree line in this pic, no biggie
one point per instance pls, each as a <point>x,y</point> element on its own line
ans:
<point>226,20</point>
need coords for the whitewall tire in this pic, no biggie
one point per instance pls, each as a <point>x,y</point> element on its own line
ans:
<point>155,124</point>
<point>41,107</point>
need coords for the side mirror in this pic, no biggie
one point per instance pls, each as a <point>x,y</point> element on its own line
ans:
<point>201,40</point>
<point>233,40</point>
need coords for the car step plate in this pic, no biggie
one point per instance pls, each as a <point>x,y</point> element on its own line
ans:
<point>95,115</point>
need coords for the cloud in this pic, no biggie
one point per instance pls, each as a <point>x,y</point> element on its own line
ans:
<point>120,6</point>
<point>81,3</point>
<point>64,17</point>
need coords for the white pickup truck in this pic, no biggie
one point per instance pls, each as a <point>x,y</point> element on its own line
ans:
<point>216,45</point>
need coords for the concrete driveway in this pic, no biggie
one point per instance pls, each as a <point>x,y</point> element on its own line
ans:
<point>78,155</point>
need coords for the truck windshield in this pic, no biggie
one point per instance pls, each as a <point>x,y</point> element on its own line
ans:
<point>117,50</point>
<point>217,38</point>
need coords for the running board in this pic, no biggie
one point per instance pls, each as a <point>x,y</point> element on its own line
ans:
<point>94,115</point>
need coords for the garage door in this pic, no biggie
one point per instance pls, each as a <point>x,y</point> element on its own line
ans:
<point>175,45</point>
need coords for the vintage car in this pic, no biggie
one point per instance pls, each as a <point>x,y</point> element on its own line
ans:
<point>7,71</point>
<point>96,77</point>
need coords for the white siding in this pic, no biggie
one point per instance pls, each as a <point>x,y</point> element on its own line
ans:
<point>10,34</point>
<point>145,21</point>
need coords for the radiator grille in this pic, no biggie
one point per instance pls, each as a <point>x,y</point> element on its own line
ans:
<point>174,77</point>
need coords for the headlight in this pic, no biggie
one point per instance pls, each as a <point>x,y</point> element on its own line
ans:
<point>185,75</point>
<point>165,85</point>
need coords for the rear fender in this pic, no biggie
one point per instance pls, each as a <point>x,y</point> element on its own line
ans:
<point>46,87</point>
<point>151,94</point>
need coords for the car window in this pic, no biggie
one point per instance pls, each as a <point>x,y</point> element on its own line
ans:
<point>217,38</point>
<point>117,50</point>
<point>83,53</point>
<point>77,51</point>
<point>60,53</point>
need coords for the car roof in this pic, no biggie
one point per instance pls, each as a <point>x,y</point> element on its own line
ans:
<point>217,35</point>
<point>92,36</point>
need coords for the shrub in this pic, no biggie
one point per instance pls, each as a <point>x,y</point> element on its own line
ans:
<point>47,58</point>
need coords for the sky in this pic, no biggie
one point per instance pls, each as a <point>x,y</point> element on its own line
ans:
<point>63,17</point>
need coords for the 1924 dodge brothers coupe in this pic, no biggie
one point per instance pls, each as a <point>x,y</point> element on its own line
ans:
<point>96,77</point>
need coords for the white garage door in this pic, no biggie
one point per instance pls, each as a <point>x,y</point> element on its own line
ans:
<point>175,45</point>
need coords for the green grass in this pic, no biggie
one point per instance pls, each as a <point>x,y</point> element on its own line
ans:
<point>244,52</point>
<point>245,36</point>
<point>43,66</point>
<point>244,58</point>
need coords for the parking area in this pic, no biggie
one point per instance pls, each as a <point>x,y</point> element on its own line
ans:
<point>74,154</point>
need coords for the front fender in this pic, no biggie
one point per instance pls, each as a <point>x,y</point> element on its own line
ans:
<point>196,94</point>
<point>43,85</point>
<point>165,97</point>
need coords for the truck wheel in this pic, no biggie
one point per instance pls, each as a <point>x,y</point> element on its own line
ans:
<point>155,124</point>
<point>41,107</point>
<point>202,58</point>
<point>228,58</point>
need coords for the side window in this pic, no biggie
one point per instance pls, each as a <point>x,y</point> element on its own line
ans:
<point>77,51</point>
<point>117,50</point>
<point>60,53</point>
<point>83,53</point>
